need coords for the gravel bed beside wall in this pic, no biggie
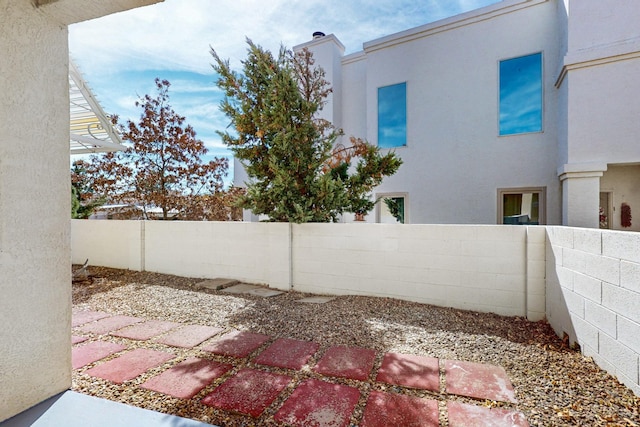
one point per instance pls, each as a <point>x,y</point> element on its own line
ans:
<point>555,385</point>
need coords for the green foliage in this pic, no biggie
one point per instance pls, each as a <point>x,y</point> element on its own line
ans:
<point>83,200</point>
<point>297,172</point>
<point>395,209</point>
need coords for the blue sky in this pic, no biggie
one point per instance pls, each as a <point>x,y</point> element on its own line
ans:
<point>120,55</point>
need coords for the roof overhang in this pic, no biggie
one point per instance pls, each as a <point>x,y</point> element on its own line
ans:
<point>69,12</point>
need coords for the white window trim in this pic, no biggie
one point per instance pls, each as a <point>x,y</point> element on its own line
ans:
<point>542,77</point>
<point>542,207</point>
<point>382,196</point>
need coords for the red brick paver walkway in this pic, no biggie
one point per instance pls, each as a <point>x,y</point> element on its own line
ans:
<point>347,362</point>
<point>130,365</point>
<point>391,409</point>
<point>108,324</point>
<point>145,330</point>
<point>189,336</point>
<point>288,353</point>
<point>82,317</point>
<point>478,380</point>
<point>187,378</point>
<point>249,392</point>
<point>92,352</point>
<point>238,373</point>
<point>410,371</point>
<point>319,403</point>
<point>237,343</point>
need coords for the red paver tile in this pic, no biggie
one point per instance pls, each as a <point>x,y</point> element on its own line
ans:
<point>237,344</point>
<point>75,339</point>
<point>81,317</point>
<point>249,392</point>
<point>130,365</point>
<point>109,324</point>
<point>464,415</point>
<point>82,356</point>
<point>410,371</point>
<point>316,403</point>
<point>385,409</point>
<point>478,380</point>
<point>145,330</point>
<point>189,336</point>
<point>347,362</point>
<point>187,378</point>
<point>288,353</point>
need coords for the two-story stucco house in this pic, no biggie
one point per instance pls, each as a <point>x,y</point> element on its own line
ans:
<point>522,112</point>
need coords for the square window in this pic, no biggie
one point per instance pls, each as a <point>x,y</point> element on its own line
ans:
<point>521,206</point>
<point>392,116</point>
<point>392,209</point>
<point>521,95</point>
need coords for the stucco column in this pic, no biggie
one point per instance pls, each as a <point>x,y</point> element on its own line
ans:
<point>35,266</point>
<point>581,194</point>
<point>35,196</point>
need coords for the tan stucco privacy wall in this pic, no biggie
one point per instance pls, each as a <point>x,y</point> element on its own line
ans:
<point>586,282</point>
<point>35,292</point>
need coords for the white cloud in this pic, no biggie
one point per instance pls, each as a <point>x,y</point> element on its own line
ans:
<point>176,34</point>
<point>121,54</point>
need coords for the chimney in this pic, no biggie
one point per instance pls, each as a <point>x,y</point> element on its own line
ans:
<point>318,35</point>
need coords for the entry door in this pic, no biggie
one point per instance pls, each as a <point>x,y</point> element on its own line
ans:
<point>605,210</point>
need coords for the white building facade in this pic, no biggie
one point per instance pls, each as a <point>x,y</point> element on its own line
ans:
<point>522,112</point>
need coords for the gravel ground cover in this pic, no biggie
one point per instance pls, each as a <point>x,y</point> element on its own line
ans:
<point>555,385</point>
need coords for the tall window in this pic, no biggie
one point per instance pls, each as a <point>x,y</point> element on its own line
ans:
<point>521,95</point>
<point>522,206</point>
<point>392,116</point>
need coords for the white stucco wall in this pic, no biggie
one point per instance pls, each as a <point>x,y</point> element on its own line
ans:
<point>35,278</point>
<point>603,111</point>
<point>35,307</point>
<point>454,161</point>
<point>599,106</point>
<point>598,23</point>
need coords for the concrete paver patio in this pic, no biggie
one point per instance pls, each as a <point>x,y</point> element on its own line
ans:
<point>246,383</point>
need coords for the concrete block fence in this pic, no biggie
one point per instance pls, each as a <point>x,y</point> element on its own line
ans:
<point>585,282</point>
<point>593,295</point>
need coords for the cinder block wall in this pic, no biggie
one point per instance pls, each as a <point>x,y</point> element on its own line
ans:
<point>252,252</point>
<point>496,269</point>
<point>482,268</point>
<point>117,244</point>
<point>593,295</point>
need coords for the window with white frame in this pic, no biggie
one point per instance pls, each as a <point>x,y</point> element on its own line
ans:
<point>521,95</point>
<point>392,208</point>
<point>522,206</point>
<point>392,116</point>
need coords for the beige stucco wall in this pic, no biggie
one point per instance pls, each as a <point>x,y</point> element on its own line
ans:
<point>35,262</point>
<point>35,307</point>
